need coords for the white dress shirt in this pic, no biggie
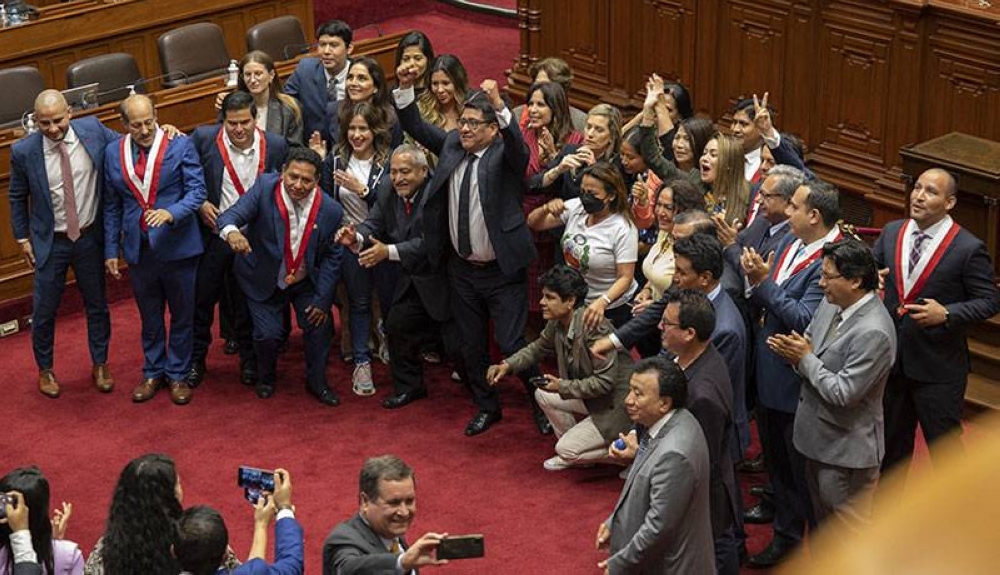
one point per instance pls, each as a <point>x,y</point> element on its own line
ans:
<point>84,180</point>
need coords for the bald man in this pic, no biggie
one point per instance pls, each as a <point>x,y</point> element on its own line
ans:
<point>56,210</point>
<point>154,187</point>
<point>939,282</point>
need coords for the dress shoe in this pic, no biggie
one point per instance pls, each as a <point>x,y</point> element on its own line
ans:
<point>232,347</point>
<point>482,421</point>
<point>762,491</point>
<point>102,378</point>
<point>775,553</point>
<point>759,514</point>
<point>47,383</point>
<point>541,421</point>
<point>755,465</point>
<point>180,392</point>
<point>401,399</point>
<point>263,390</point>
<point>197,373</point>
<point>248,371</point>
<point>147,389</point>
<point>326,396</point>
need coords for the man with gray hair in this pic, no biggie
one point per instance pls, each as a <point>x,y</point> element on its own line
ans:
<point>392,235</point>
<point>372,542</point>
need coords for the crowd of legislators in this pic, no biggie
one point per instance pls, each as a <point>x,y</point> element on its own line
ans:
<point>717,258</point>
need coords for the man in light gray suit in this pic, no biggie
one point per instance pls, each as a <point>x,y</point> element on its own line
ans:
<point>662,521</point>
<point>844,359</point>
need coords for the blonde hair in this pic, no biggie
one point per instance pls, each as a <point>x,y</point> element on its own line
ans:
<point>730,182</point>
<point>614,127</point>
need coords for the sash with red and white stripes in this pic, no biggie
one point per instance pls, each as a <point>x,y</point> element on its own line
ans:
<point>293,256</point>
<point>909,287</point>
<point>260,147</point>
<point>144,189</point>
<point>781,275</point>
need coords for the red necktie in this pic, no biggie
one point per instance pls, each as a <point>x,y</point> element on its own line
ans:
<point>140,165</point>
<point>409,206</point>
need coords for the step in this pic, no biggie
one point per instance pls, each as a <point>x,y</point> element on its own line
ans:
<point>983,393</point>
<point>985,358</point>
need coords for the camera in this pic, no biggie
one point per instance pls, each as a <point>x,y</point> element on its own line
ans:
<point>254,482</point>
<point>4,501</point>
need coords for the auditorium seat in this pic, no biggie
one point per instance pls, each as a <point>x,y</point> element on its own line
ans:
<point>21,84</point>
<point>191,53</point>
<point>280,38</point>
<point>112,72</point>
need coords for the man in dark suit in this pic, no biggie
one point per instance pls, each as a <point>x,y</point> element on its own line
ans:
<point>475,195</point>
<point>288,256</point>
<point>153,189</point>
<point>662,522</point>
<point>771,223</point>
<point>392,235</point>
<point>318,81</point>
<point>786,287</point>
<point>373,541</point>
<point>233,154</point>
<point>939,282</point>
<point>56,211</point>
<point>844,357</point>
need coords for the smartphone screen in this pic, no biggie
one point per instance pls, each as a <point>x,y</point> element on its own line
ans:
<point>254,478</point>
<point>461,547</point>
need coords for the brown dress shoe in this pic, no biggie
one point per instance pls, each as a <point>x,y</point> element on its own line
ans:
<point>102,378</point>
<point>47,383</point>
<point>180,392</point>
<point>147,389</point>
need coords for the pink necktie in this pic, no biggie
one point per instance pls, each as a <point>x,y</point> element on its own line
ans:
<point>69,194</point>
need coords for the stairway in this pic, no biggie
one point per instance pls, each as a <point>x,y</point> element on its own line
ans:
<point>983,392</point>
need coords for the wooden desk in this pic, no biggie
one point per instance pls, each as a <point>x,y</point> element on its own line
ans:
<point>186,107</point>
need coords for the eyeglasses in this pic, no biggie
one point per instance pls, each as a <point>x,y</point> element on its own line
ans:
<point>471,123</point>
<point>664,323</point>
<point>829,277</point>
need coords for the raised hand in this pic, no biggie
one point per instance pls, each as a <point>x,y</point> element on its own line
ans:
<point>762,116</point>
<point>406,75</point>
<point>317,144</point>
<point>492,90</point>
<point>347,236</point>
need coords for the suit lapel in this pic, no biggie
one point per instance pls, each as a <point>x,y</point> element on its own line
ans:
<point>37,163</point>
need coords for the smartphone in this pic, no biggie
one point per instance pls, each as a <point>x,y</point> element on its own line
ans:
<point>253,478</point>
<point>4,501</point>
<point>538,381</point>
<point>461,547</point>
<point>921,301</point>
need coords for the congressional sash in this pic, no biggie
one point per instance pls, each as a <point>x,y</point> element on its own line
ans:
<point>295,251</point>
<point>783,272</point>
<point>260,148</point>
<point>144,189</point>
<point>909,282</point>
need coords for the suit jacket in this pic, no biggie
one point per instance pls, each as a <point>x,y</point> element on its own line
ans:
<point>752,236</point>
<point>963,282</point>
<point>30,197</point>
<point>308,85</point>
<point>257,271</point>
<point>662,521</point>
<point>352,548</point>
<point>181,192</point>
<point>839,419</point>
<point>786,307</point>
<point>602,385</point>
<point>710,400</point>
<point>288,552</point>
<point>389,223</point>
<point>282,121</point>
<point>501,187</point>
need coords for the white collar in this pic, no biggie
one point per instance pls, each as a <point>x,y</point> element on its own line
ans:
<point>934,229</point>
<point>69,138</point>
<point>854,307</point>
<point>654,430</point>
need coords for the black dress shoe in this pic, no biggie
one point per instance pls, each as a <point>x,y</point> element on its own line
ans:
<point>196,373</point>
<point>541,421</point>
<point>401,399</point>
<point>232,347</point>
<point>248,371</point>
<point>482,421</point>
<point>263,390</point>
<point>755,465</point>
<point>326,396</point>
<point>759,514</point>
<point>775,553</point>
<point>762,491</point>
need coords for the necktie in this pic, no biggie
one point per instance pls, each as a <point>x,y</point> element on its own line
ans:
<point>918,248</point>
<point>140,165</point>
<point>464,192</point>
<point>395,546</point>
<point>643,450</point>
<point>331,89</point>
<point>69,194</point>
<point>833,330</point>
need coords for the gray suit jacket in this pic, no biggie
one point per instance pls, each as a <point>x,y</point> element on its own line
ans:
<point>839,419</point>
<point>662,523</point>
<point>352,548</point>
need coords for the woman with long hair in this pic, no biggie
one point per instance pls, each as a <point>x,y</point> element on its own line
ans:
<point>600,240</point>
<point>547,127</point>
<point>351,174</point>
<point>415,50</point>
<point>277,112</point>
<point>672,107</point>
<point>142,523</point>
<point>442,102</point>
<point>601,142</point>
<point>56,555</point>
<point>722,173</point>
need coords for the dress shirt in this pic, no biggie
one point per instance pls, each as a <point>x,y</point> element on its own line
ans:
<point>654,430</point>
<point>751,163</point>
<point>929,244</point>
<point>846,313</point>
<point>341,80</point>
<point>84,180</point>
<point>801,254</point>
<point>245,162</point>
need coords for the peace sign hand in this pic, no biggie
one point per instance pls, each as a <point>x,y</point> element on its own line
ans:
<point>762,116</point>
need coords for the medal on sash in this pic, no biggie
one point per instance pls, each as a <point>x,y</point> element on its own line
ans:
<point>294,258</point>
<point>922,272</point>
<point>260,144</point>
<point>143,190</point>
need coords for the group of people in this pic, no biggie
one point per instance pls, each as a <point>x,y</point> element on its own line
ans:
<point>717,258</point>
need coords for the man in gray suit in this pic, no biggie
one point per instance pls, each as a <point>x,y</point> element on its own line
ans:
<point>844,359</point>
<point>662,521</point>
<point>373,541</point>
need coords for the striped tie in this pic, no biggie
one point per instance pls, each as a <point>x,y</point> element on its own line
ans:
<point>918,248</point>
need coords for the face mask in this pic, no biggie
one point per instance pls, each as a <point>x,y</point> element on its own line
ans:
<point>591,205</point>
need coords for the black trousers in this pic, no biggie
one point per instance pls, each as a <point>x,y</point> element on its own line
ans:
<point>410,327</point>
<point>215,283</point>
<point>936,405</point>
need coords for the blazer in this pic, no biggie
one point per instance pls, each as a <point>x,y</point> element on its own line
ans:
<point>753,236</point>
<point>501,188</point>
<point>30,197</point>
<point>839,419</point>
<point>308,85</point>
<point>389,223</point>
<point>352,548</point>
<point>602,385</point>
<point>288,553</point>
<point>963,282</point>
<point>257,271</point>
<point>181,192</point>
<point>211,160</point>
<point>786,307</point>
<point>282,121</point>
<point>662,521</point>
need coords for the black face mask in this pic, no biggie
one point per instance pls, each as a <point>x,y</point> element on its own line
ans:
<point>591,205</point>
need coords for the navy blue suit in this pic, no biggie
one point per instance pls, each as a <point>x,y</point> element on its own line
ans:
<point>258,271</point>
<point>288,552</point>
<point>308,85</point>
<point>163,260</point>
<point>215,276</point>
<point>32,218</point>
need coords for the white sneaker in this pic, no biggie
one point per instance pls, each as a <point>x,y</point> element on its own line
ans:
<point>455,376</point>
<point>362,379</point>
<point>556,463</point>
